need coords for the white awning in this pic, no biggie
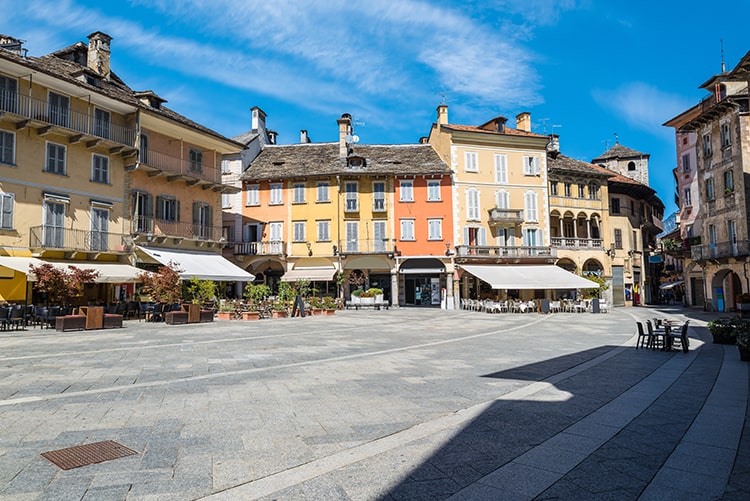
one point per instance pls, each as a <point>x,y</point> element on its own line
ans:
<point>109,273</point>
<point>671,285</point>
<point>202,265</point>
<point>319,274</point>
<point>20,263</point>
<point>546,276</point>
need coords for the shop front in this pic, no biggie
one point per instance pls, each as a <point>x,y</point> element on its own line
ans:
<point>421,281</point>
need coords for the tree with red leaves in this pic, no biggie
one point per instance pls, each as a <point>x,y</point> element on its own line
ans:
<point>163,285</point>
<point>61,286</point>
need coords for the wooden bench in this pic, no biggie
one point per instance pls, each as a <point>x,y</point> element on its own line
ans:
<point>176,318</point>
<point>207,316</point>
<point>70,323</point>
<point>112,321</point>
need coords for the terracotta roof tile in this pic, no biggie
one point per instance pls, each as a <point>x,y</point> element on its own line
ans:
<point>506,131</point>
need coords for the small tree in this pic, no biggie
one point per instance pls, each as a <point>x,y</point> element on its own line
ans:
<point>256,293</point>
<point>199,291</point>
<point>61,286</point>
<point>162,285</point>
<point>595,292</point>
<point>286,291</point>
<point>302,287</point>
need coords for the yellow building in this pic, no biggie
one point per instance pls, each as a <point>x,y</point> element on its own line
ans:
<point>88,168</point>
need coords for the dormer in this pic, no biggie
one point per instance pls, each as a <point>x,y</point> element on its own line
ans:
<point>497,124</point>
<point>356,162</point>
<point>149,98</point>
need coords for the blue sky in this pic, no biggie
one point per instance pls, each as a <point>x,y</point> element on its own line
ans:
<point>586,70</point>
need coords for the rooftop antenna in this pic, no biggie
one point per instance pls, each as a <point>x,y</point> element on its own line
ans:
<point>443,96</point>
<point>723,67</point>
<point>555,125</point>
<point>544,125</point>
<point>606,144</point>
<point>617,138</point>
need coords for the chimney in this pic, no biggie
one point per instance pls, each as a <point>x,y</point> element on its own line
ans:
<point>303,137</point>
<point>553,146</point>
<point>442,114</point>
<point>98,54</point>
<point>523,121</point>
<point>271,136</point>
<point>345,129</point>
<point>259,119</point>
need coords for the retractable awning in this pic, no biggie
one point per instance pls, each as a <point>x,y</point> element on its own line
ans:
<point>20,264</point>
<point>529,277</point>
<point>201,265</point>
<point>314,274</point>
<point>671,285</point>
<point>109,273</point>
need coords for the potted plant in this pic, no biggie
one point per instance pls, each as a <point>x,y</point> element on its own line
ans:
<point>356,294</point>
<point>742,303</point>
<point>366,297</point>
<point>316,305</point>
<point>279,309</point>
<point>742,333</point>
<point>255,294</point>
<point>329,306</point>
<point>226,310</point>
<point>376,293</point>
<point>722,330</point>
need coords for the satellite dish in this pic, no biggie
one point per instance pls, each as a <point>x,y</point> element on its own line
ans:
<point>349,139</point>
<point>355,138</point>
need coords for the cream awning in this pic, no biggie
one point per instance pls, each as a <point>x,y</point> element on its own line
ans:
<point>20,264</point>
<point>315,274</point>
<point>109,273</point>
<point>202,265</point>
<point>529,277</point>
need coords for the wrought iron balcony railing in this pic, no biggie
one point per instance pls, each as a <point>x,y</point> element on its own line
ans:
<point>52,237</point>
<point>720,250</point>
<point>182,166</point>
<point>152,227</point>
<point>371,246</point>
<point>505,252</point>
<point>260,248</point>
<point>577,243</point>
<point>84,123</point>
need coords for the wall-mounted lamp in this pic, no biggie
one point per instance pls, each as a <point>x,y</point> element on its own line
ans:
<point>610,252</point>
<point>389,255</point>
<point>448,249</point>
<point>309,248</point>
<point>335,250</point>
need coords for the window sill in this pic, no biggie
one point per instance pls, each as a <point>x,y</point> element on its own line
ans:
<point>435,201</point>
<point>322,201</point>
<point>253,205</point>
<point>7,164</point>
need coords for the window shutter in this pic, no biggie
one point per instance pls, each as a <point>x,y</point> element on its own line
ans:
<point>537,166</point>
<point>159,207</point>
<point>196,213</point>
<point>149,206</point>
<point>210,213</point>
<point>177,210</point>
<point>482,236</point>
<point>501,169</point>
<point>7,210</point>
<point>466,236</point>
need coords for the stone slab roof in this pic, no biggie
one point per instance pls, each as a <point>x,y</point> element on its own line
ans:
<point>562,164</point>
<point>620,151</point>
<point>322,159</point>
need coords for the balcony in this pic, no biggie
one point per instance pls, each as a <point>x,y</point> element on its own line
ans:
<point>260,248</point>
<point>465,251</point>
<point>505,217</point>
<point>577,243</point>
<point>77,126</point>
<point>367,247</point>
<point>175,168</point>
<point>150,229</point>
<point>55,238</point>
<point>741,248</point>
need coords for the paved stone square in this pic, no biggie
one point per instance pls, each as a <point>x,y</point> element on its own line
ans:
<point>402,404</point>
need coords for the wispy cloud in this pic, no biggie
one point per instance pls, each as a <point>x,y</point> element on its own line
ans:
<point>641,105</point>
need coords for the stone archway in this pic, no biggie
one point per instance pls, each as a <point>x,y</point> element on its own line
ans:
<point>725,285</point>
<point>593,267</point>
<point>567,265</point>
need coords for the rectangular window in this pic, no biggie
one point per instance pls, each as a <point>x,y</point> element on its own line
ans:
<point>379,236</point>
<point>276,194</point>
<point>435,229</point>
<point>471,162</point>
<point>531,237</point>
<point>351,197</point>
<point>581,191</point>
<point>567,189</point>
<point>407,191</point>
<point>618,238</point>
<point>352,236</point>
<point>143,149</point>
<point>55,162</point>
<point>553,188</point>
<point>54,224</point>
<point>593,191</point>
<point>707,145</point>
<point>202,220</point>
<point>101,123</point>
<point>167,209</point>
<point>7,148</point>
<point>7,203</point>
<point>501,169</point>
<point>614,206</point>
<point>8,94</point>
<point>58,109</point>
<point>728,181</point>
<point>196,160</point>
<point>407,229</point>
<point>433,190</point>
<point>100,169</point>
<point>531,166</point>
<point>530,200</point>
<point>226,200</point>
<point>502,199</point>
<point>253,194</point>
<point>299,193</point>
<point>710,195</point>
<point>378,196</point>
<point>687,200</point>
<point>324,234</point>
<point>323,191</point>
<point>99,229</point>
<point>686,162</point>
<point>472,204</point>
<point>726,137</point>
<point>299,231</point>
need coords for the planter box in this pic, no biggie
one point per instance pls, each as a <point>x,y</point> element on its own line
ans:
<point>316,311</point>
<point>367,300</point>
<point>279,314</point>
<point>744,354</point>
<point>225,315</point>
<point>355,300</point>
<point>250,315</point>
<point>330,311</point>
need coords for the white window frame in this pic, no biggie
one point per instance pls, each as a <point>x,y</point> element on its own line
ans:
<point>532,237</point>
<point>434,229</point>
<point>710,189</point>
<point>64,161</point>
<point>502,199</point>
<point>276,194</point>
<point>472,204</point>
<point>471,161</point>
<point>102,123</point>
<point>501,169</point>
<point>324,233</point>
<point>406,190</point>
<point>687,198</point>
<point>531,165</point>
<point>252,195</point>
<point>351,189</point>
<point>299,193</point>
<point>99,173</point>
<point>433,190</point>
<point>57,114</point>
<point>352,236</point>
<point>406,226</point>
<point>7,209</point>
<point>378,196</point>
<point>686,162</point>
<point>7,148</point>
<point>300,231</point>
<point>100,235</point>
<point>380,237</point>
<point>531,206</point>
<point>323,192</point>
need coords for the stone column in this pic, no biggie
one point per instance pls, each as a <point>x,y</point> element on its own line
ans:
<point>394,289</point>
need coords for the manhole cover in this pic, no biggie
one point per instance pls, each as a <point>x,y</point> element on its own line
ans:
<point>83,455</point>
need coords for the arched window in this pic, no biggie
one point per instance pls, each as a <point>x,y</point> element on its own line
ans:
<point>593,191</point>
<point>502,199</point>
<point>530,205</point>
<point>631,165</point>
<point>472,204</point>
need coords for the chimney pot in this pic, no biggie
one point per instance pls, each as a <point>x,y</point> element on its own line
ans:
<point>345,128</point>
<point>303,137</point>
<point>523,121</point>
<point>442,114</point>
<point>98,58</point>
<point>258,119</point>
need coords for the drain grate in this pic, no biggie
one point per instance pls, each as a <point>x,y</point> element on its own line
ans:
<point>84,455</point>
